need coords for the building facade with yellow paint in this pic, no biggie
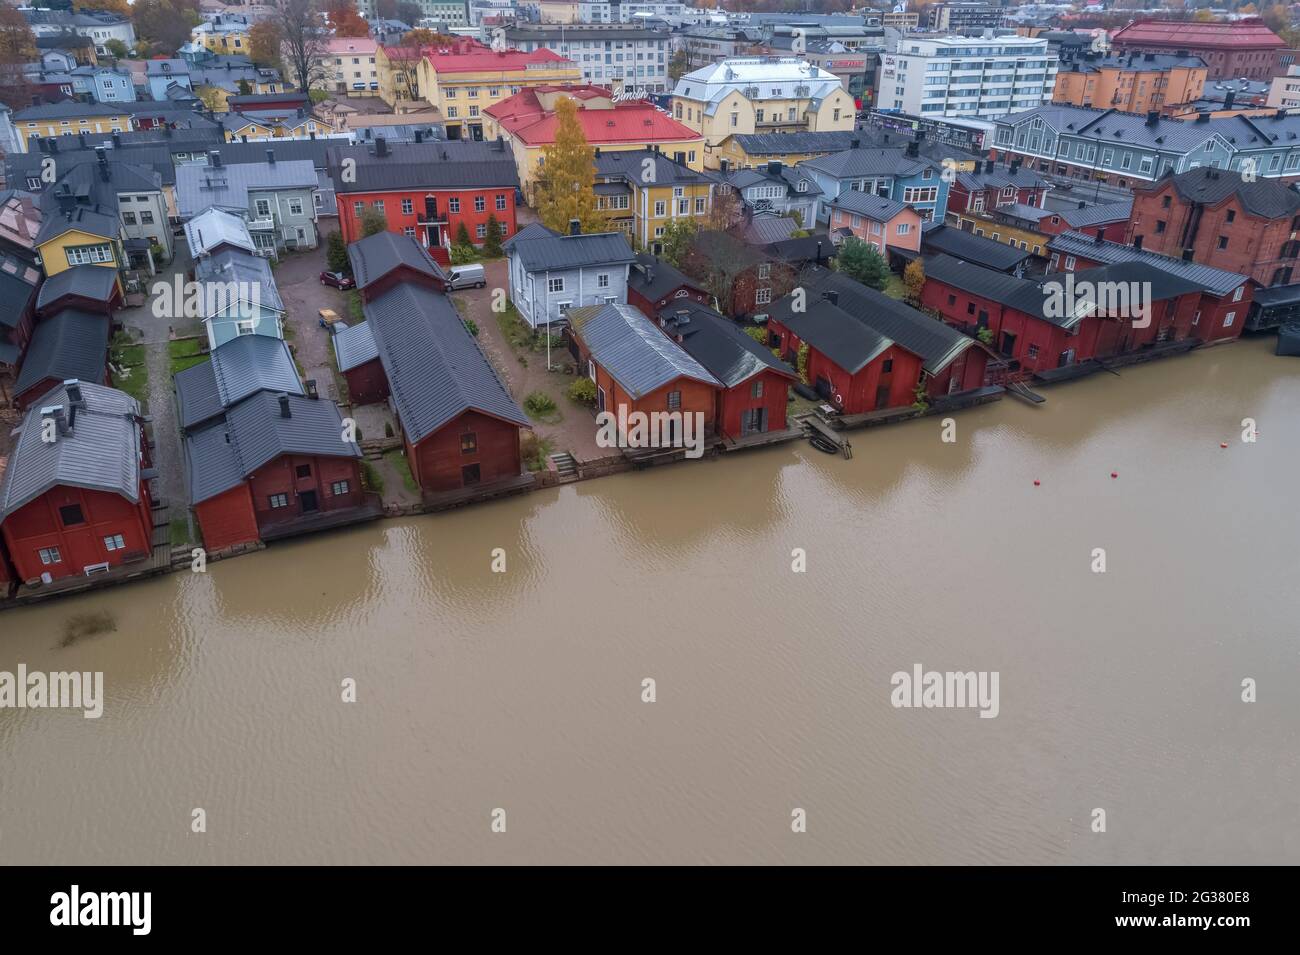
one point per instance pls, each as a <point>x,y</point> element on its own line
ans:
<point>224,33</point>
<point>643,192</point>
<point>69,118</point>
<point>463,85</point>
<point>760,94</point>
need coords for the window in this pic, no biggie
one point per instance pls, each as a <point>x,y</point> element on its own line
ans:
<point>245,327</point>
<point>756,389</point>
<point>339,488</point>
<point>453,204</point>
<point>409,230</point>
<point>1160,226</point>
<point>762,296</point>
<point>358,208</point>
<point>89,254</point>
<point>70,515</point>
<point>407,207</point>
<point>279,500</point>
<point>480,230</point>
<point>555,284</point>
<point>1033,351</point>
<point>1164,202</point>
<point>674,400</point>
<point>1236,296</point>
<point>303,470</point>
<point>146,217</point>
<point>661,209</point>
<point>764,270</point>
<point>1223,242</point>
<point>452,112</point>
<point>295,206</point>
<point>473,111</point>
<point>114,542</point>
<point>1228,319</point>
<point>501,202</point>
<point>264,208</point>
<point>602,280</point>
<point>480,203</point>
<point>50,555</point>
<point>1232,213</point>
<point>128,218</point>
<point>469,442</point>
<point>699,205</point>
<point>904,228</point>
<point>379,205</point>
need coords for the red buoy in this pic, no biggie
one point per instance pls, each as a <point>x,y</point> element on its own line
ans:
<point>1036,483</point>
<point>1223,444</point>
<point>1114,474</point>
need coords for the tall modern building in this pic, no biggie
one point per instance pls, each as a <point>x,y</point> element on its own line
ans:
<point>967,77</point>
<point>454,13</point>
<point>609,55</point>
<point>964,18</point>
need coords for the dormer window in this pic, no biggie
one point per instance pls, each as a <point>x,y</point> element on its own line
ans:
<point>803,185</point>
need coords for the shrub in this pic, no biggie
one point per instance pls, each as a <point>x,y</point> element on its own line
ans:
<point>534,450</point>
<point>462,254</point>
<point>492,242</point>
<point>539,405</point>
<point>985,335</point>
<point>471,326</point>
<point>583,391</point>
<point>758,334</point>
<point>371,480</point>
<point>462,235</point>
<point>336,254</point>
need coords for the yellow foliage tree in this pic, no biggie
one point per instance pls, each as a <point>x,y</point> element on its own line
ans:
<point>568,175</point>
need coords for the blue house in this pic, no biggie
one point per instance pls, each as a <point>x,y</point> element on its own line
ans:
<point>239,296</point>
<point>898,173</point>
<point>106,85</point>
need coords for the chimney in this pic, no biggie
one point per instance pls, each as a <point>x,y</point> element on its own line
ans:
<point>1082,204</point>
<point>818,260</point>
<point>75,401</point>
<point>723,164</point>
<point>1098,240</point>
<point>855,142</point>
<point>774,168</point>
<point>575,227</point>
<point>54,144</point>
<point>913,150</point>
<point>55,413</point>
<point>270,157</point>
<point>117,139</point>
<point>1153,117</point>
<point>81,140</point>
<point>214,158</point>
<point>832,297</point>
<point>1015,166</point>
<point>1137,242</point>
<point>381,146</point>
<point>1202,117</point>
<point>499,144</point>
<point>419,136</point>
<point>1187,254</point>
<point>1228,99</point>
<point>597,152</point>
<point>284,406</point>
<point>310,386</point>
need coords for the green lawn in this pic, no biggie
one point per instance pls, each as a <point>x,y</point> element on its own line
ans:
<point>184,347</point>
<point>134,381</point>
<point>189,361</point>
<point>895,288</point>
<point>398,461</point>
<point>180,532</point>
<point>127,355</point>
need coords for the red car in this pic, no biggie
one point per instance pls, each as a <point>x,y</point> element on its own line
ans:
<point>339,280</point>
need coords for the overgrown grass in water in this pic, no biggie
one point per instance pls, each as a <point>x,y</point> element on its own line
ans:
<point>85,625</point>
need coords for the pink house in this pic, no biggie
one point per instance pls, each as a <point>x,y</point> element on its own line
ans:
<point>876,220</point>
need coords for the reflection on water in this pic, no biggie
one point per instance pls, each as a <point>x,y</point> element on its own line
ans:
<point>523,690</point>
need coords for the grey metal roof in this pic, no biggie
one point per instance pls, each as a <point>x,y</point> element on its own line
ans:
<point>879,208</point>
<point>853,163</point>
<point>1267,198</point>
<point>96,282</point>
<point>989,175</point>
<point>969,247</point>
<point>376,255</point>
<point>553,252</point>
<point>720,345</point>
<point>459,163</point>
<point>638,355</point>
<point>936,343</point>
<point>71,344</point>
<point>827,328</point>
<point>232,265</point>
<point>634,164</point>
<point>102,453</point>
<point>1207,277</point>
<point>83,218</point>
<point>224,453</point>
<point>198,187</point>
<point>1021,211</point>
<point>435,368</point>
<point>71,108</point>
<point>237,369</point>
<point>214,227</point>
<point>1105,212</point>
<point>654,279</point>
<point>354,346</point>
<point>18,283</point>
<point>779,144</point>
<point>764,229</point>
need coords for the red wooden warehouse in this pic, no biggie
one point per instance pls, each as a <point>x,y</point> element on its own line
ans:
<point>74,499</point>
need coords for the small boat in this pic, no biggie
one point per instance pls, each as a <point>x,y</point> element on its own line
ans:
<point>1288,339</point>
<point>823,443</point>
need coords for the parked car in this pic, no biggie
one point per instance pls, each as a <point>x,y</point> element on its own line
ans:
<point>467,276</point>
<point>340,280</point>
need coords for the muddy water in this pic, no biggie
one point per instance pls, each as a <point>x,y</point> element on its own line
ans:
<point>522,690</point>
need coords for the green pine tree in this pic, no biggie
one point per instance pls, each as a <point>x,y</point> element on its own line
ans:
<point>492,241</point>
<point>861,262</point>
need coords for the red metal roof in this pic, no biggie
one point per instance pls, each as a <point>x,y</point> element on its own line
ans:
<point>1193,35</point>
<point>634,121</point>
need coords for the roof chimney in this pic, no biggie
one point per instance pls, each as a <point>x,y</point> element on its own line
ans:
<point>1137,242</point>
<point>419,136</point>
<point>575,227</point>
<point>855,142</point>
<point>214,158</point>
<point>774,168</point>
<point>1202,117</point>
<point>381,146</point>
<point>1228,99</point>
<point>285,412</point>
<point>117,139</point>
<point>832,297</point>
<point>1153,117</point>
<point>75,401</point>
<point>913,149</point>
<point>270,157</point>
<point>1098,239</point>
<point>55,413</point>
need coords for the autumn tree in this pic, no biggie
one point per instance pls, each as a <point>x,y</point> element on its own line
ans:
<point>568,174</point>
<point>303,39</point>
<point>210,97</point>
<point>914,279</point>
<point>344,18</point>
<point>372,221</point>
<point>677,66</point>
<point>17,48</point>
<point>111,6</point>
<point>404,61</point>
<point>421,37</point>
<point>163,26</point>
<point>264,43</point>
<point>677,238</point>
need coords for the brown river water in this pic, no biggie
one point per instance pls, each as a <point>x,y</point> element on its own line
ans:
<point>523,691</point>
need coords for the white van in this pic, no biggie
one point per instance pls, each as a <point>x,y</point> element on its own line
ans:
<point>467,276</point>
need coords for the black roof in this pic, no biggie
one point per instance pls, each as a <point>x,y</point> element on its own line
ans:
<point>376,255</point>
<point>971,248</point>
<point>95,282</point>
<point>1277,295</point>
<point>719,344</point>
<point>655,278</point>
<point>1267,198</point>
<point>72,344</point>
<point>446,165</point>
<point>18,283</point>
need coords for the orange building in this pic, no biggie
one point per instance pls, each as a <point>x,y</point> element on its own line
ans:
<point>1131,82</point>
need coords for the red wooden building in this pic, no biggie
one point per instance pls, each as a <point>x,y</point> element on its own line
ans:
<point>385,259</point>
<point>1225,296</point>
<point>868,352</point>
<point>758,280</point>
<point>426,190</point>
<point>74,498</point>
<point>71,344</point>
<point>991,185</point>
<point>653,285</point>
<point>756,384</point>
<point>1111,219</point>
<point>460,427</point>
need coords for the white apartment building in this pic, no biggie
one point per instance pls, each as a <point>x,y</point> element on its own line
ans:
<point>967,77</point>
<point>1284,92</point>
<point>612,55</point>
